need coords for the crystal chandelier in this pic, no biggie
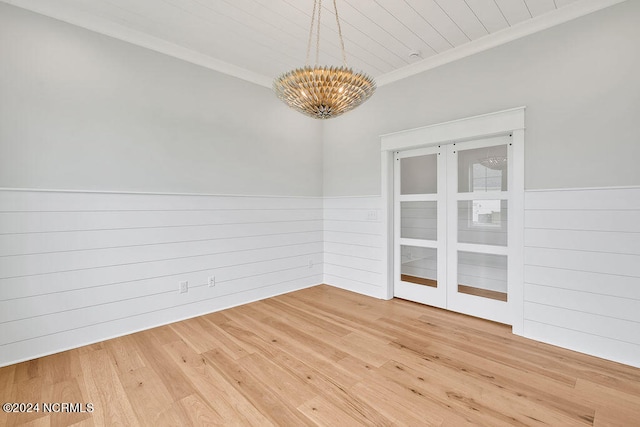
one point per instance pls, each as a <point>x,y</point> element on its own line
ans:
<point>323,92</point>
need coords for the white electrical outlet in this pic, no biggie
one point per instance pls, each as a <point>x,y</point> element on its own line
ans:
<point>183,287</point>
<point>212,281</point>
<point>310,264</point>
<point>372,216</point>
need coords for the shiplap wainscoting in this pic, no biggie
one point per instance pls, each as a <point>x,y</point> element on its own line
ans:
<point>582,271</point>
<point>353,256</point>
<point>81,267</point>
<point>77,267</point>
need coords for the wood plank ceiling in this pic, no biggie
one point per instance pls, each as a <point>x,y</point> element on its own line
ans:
<point>263,38</point>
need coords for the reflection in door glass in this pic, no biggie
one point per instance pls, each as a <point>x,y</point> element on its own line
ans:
<point>483,275</point>
<point>419,175</point>
<point>419,265</point>
<point>419,220</point>
<point>482,222</point>
<point>482,169</point>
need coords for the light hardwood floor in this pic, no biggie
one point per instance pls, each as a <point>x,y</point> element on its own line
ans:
<point>324,356</point>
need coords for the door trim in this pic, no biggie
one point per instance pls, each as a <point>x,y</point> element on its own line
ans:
<point>507,121</point>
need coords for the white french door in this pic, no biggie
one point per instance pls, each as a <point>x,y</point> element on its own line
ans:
<point>451,246</point>
<point>420,226</point>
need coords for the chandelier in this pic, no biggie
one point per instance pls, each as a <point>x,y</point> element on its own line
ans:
<point>323,92</point>
<point>494,162</point>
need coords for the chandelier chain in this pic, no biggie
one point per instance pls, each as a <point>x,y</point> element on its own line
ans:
<point>317,11</point>
<point>344,55</point>
<point>313,19</point>
<point>318,33</point>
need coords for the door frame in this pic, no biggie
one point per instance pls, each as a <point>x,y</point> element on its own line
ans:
<point>511,121</point>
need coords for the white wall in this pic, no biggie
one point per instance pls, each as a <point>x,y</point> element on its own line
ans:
<point>78,267</point>
<point>582,270</point>
<point>79,110</point>
<point>579,84</point>
<point>353,244</point>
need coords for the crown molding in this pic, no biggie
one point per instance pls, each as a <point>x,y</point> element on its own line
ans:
<point>72,16</point>
<point>525,28</point>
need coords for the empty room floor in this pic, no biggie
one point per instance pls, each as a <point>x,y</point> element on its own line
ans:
<point>329,357</point>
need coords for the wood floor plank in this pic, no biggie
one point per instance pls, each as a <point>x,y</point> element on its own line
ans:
<point>315,332</point>
<point>346,318</point>
<point>477,359</point>
<point>282,382</point>
<point>195,334</point>
<point>124,354</point>
<point>613,407</point>
<point>65,391</point>
<point>323,413</point>
<point>148,395</point>
<point>150,347</point>
<point>112,406</point>
<point>163,334</point>
<point>306,339</point>
<point>367,348</point>
<point>214,389</point>
<point>262,395</point>
<point>508,354</point>
<point>497,377</point>
<point>27,370</point>
<point>300,315</point>
<point>274,335</point>
<point>26,391</point>
<point>226,342</point>
<point>392,407</point>
<point>403,401</point>
<point>249,336</point>
<point>217,318</point>
<point>399,410</point>
<point>326,356</point>
<point>327,379</point>
<point>199,413</point>
<point>45,421</point>
<point>484,404</point>
<point>59,367</point>
<point>7,390</point>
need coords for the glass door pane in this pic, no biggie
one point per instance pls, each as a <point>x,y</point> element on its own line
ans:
<point>483,222</point>
<point>482,275</point>
<point>483,169</point>
<point>419,265</point>
<point>419,220</point>
<point>419,174</point>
